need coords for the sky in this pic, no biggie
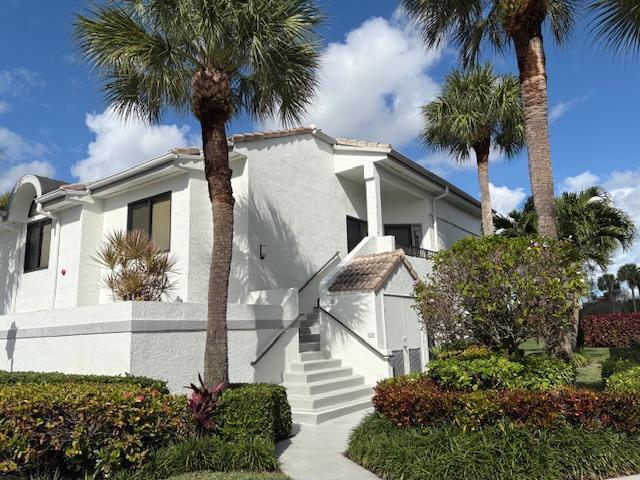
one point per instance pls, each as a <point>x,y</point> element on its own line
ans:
<point>375,75</point>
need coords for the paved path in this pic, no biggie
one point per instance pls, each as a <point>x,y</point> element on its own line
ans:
<point>315,451</point>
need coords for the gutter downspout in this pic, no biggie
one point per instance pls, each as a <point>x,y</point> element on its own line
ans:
<point>436,236</point>
<point>56,250</point>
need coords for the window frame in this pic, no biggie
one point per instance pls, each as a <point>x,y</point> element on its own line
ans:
<point>40,224</point>
<point>149,201</point>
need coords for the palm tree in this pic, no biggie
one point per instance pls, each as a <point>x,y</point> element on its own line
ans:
<point>217,59</point>
<point>470,24</point>
<point>588,219</point>
<point>476,110</point>
<point>630,273</point>
<point>617,22</point>
<point>610,286</point>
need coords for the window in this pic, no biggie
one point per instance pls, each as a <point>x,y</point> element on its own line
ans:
<point>356,231</point>
<point>405,235</point>
<point>152,216</point>
<point>38,244</point>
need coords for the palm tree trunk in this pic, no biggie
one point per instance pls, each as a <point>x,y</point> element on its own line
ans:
<point>533,82</point>
<point>218,175</point>
<point>482,159</point>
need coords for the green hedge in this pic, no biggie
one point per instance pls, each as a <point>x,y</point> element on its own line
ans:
<point>259,409</point>
<point>49,378</point>
<point>472,369</point>
<point>625,381</point>
<point>79,427</point>
<point>501,452</point>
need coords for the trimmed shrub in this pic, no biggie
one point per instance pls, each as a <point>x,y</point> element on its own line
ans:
<point>250,410</point>
<point>626,381</point>
<point>501,452</point>
<point>471,352</point>
<point>83,427</point>
<point>421,402</point>
<point>479,369</point>
<point>500,292</point>
<point>612,330</point>
<point>49,378</point>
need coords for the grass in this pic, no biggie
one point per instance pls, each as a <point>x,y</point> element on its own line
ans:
<point>501,452</point>
<point>590,376</point>
<point>230,476</point>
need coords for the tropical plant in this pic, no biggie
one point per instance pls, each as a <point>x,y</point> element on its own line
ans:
<point>499,292</point>
<point>609,285</point>
<point>617,22</point>
<point>218,59</point>
<point>589,220</point>
<point>4,201</point>
<point>138,270</point>
<point>476,110</point>
<point>630,273</point>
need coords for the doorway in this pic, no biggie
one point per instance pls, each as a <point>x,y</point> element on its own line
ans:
<point>405,338</point>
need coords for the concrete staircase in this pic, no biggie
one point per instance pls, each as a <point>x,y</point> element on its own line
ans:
<point>319,387</point>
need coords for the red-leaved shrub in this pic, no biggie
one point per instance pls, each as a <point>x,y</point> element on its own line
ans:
<point>420,402</point>
<point>612,330</point>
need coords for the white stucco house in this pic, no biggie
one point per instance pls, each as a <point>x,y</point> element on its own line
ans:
<point>330,235</point>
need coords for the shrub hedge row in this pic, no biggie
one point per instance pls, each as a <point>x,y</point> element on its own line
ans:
<point>612,330</point>
<point>49,378</point>
<point>499,452</point>
<point>421,402</point>
<point>470,372</point>
<point>78,427</point>
<point>626,381</point>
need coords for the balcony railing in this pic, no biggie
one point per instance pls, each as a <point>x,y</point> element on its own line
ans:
<point>417,252</point>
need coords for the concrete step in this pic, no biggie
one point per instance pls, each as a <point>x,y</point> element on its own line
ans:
<point>309,347</point>
<point>310,338</point>
<point>324,386</point>
<point>329,413</point>
<point>309,330</point>
<point>317,375</point>
<point>315,365</point>
<point>330,399</point>
<point>321,355</point>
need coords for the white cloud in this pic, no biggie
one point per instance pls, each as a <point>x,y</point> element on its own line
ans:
<point>373,83</point>
<point>14,147</point>
<point>119,144</point>
<point>562,107</point>
<point>4,107</point>
<point>505,199</point>
<point>13,174</point>
<point>18,81</point>
<point>443,163</point>
<point>579,182</point>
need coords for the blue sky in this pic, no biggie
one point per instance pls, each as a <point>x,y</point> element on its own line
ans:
<point>53,120</point>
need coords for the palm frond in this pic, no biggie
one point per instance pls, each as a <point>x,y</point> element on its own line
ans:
<point>617,24</point>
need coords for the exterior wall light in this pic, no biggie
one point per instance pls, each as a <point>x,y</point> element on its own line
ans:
<point>263,251</point>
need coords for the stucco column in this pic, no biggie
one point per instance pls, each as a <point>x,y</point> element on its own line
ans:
<point>374,200</point>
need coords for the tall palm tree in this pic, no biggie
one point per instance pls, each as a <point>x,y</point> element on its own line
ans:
<point>471,24</point>
<point>630,273</point>
<point>476,110</point>
<point>216,59</point>
<point>610,286</point>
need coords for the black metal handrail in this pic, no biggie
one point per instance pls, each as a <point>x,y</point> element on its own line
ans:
<point>417,252</point>
<point>378,353</point>
<point>325,265</point>
<point>274,341</point>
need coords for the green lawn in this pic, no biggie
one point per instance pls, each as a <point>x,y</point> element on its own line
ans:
<point>590,375</point>
<point>231,476</point>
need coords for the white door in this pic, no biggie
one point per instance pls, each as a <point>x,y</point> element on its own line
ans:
<point>405,338</point>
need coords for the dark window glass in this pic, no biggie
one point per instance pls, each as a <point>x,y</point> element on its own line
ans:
<point>402,233</point>
<point>356,231</point>
<point>152,216</point>
<point>38,244</point>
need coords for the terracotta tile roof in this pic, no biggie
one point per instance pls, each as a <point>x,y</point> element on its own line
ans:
<point>186,150</point>
<point>248,137</point>
<point>352,142</point>
<point>369,272</point>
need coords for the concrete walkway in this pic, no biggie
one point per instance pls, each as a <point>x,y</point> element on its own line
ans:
<point>315,451</point>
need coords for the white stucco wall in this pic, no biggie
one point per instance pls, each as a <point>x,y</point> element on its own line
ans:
<point>9,268</point>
